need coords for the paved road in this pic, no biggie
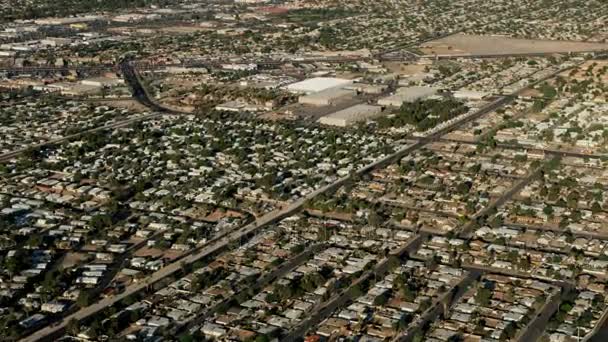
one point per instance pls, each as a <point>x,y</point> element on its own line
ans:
<point>340,299</point>
<point>467,229</point>
<point>506,55</point>
<point>549,151</point>
<point>222,241</point>
<point>437,309</point>
<point>269,63</point>
<point>78,68</point>
<point>140,93</point>
<point>589,235</point>
<point>518,274</point>
<point>278,272</point>
<point>600,332</point>
<point>533,331</point>
<point>212,247</point>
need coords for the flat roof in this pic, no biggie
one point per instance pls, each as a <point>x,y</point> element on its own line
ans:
<point>331,93</point>
<point>354,113</point>
<point>317,84</point>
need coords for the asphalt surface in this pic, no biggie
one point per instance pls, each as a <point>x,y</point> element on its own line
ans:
<point>49,332</point>
<point>437,308</point>
<point>342,298</point>
<point>213,246</point>
<point>533,331</point>
<point>263,281</point>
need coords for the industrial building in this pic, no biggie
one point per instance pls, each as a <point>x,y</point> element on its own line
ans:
<point>470,95</point>
<point>407,95</point>
<point>103,81</point>
<point>373,89</point>
<point>317,84</point>
<point>326,97</point>
<point>351,115</point>
<point>69,20</point>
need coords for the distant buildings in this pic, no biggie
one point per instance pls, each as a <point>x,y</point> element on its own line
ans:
<point>351,115</point>
<point>326,97</point>
<point>317,84</point>
<point>407,94</point>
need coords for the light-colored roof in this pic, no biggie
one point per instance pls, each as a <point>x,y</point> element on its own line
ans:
<point>328,94</point>
<point>317,84</point>
<point>352,114</point>
<point>407,94</point>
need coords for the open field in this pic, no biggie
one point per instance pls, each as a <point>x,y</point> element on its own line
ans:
<point>72,259</point>
<point>129,104</point>
<point>460,44</point>
<point>595,69</point>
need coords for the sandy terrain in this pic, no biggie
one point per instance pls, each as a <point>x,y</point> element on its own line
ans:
<point>148,252</point>
<point>183,29</point>
<point>592,68</point>
<point>120,103</point>
<point>72,259</point>
<point>405,69</point>
<point>460,44</point>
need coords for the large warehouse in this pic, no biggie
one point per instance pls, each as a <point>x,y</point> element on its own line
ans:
<point>351,115</point>
<point>407,94</point>
<point>317,84</point>
<point>326,97</point>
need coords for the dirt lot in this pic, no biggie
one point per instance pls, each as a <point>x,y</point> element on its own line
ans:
<point>404,69</point>
<point>217,215</point>
<point>531,93</point>
<point>183,29</point>
<point>128,104</point>
<point>460,44</point>
<point>148,252</point>
<point>72,259</point>
<point>589,69</point>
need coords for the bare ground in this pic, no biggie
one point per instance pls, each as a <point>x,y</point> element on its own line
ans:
<point>461,44</point>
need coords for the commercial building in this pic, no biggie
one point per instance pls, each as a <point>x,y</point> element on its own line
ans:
<point>374,89</point>
<point>55,41</point>
<point>470,95</point>
<point>134,17</point>
<point>407,95</point>
<point>351,115</point>
<point>326,97</point>
<point>317,84</point>
<point>69,20</point>
<point>103,81</point>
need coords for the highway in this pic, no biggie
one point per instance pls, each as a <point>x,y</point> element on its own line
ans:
<point>508,55</point>
<point>382,56</point>
<point>140,93</point>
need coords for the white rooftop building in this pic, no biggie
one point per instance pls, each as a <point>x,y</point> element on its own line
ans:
<point>326,97</point>
<point>317,84</point>
<point>407,94</point>
<point>351,115</point>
